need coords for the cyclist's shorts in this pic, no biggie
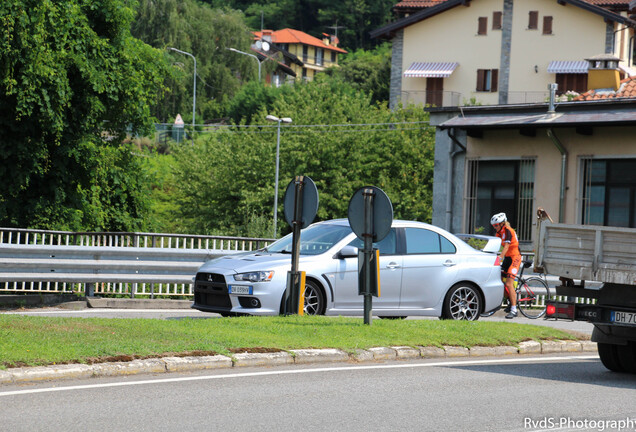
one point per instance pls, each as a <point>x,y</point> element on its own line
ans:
<point>511,265</point>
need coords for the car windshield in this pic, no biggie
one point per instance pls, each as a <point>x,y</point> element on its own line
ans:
<point>314,240</point>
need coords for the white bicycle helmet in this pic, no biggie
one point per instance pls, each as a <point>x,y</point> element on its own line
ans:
<point>498,218</point>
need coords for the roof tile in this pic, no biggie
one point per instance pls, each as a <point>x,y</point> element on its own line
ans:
<point>286,36</point>
<point>626,90</point>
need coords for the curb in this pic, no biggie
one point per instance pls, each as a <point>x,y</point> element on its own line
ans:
<point>299,356</point>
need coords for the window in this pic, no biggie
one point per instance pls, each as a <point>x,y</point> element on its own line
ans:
<point>500,186</point>
<point>496,20</point>
<point>487,80</point>
<point>333,57</point>
<point>547,25</point>
<point>386,246</point>
<point>609,192</point>
<point>423,241</point>
<point>533,20</point>
<point>319,54</point>
<point>482,25</point>
<point>305,53</point>
<point>571,82</point>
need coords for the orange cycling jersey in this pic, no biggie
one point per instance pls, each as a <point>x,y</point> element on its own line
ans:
<point>508,235</point>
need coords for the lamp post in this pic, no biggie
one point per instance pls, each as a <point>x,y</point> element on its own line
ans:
<point>251,55</point>
<point>279,121</point>
<point>194,88</point>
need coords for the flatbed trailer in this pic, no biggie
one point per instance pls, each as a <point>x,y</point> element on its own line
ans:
<point>596,266</point>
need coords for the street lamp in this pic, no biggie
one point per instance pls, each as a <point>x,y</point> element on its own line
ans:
<point>251,55</point>
<point>194,88</point>
<point>279,121</point>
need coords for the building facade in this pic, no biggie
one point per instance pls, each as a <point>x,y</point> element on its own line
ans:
<point>487,52</point>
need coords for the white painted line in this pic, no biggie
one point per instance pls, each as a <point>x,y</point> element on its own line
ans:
<point>298,372</point>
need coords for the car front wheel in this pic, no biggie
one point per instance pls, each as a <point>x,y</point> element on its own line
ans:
<point>462,302</point>
<point>315,303</point>
<point>314,299</point>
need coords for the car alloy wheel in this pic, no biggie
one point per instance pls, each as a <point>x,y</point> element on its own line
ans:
<point>314,299</point>
<point>463,302</point>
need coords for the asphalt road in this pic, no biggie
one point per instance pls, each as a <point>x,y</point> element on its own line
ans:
<point>508,394</point>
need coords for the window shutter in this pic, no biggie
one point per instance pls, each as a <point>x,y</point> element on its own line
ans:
<point>547,25</point>
<point>482,25</point>
<point>481,73</point>
<point>494,80</point>
<point>533,21</point>
<point>496,20</point>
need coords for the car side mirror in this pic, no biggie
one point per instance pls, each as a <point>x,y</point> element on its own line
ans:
<point>347,252</point>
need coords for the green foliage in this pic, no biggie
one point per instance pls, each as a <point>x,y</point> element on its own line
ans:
<point>252,98</point>
<point>367,71</point>
<point>355,18</point>
<point>205,33</point>
<point>72,83</point>
<point>228,177</point>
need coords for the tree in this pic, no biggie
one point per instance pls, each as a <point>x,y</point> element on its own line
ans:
<point>206,33</point>
<point>368,71</point>
<point>73,83</point>
<point>226,180</point>
<point>356,18</point>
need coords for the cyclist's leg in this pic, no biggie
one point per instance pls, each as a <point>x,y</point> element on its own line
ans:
<point>512,273</point>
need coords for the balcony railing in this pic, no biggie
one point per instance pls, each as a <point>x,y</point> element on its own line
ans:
<point>450,98</point>
<point>431,98</point>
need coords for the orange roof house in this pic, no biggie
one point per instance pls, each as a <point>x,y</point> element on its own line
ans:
<point>306,55</point>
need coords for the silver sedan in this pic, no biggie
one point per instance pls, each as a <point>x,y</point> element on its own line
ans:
<point>424,270</point>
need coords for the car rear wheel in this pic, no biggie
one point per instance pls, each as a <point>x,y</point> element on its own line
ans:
<point>609,357</point>
<point>462,302</point>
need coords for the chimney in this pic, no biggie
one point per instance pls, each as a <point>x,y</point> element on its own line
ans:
<point>603,72</point>
<point>267,35</point>
<point>553,87</point>
<point>326,39</point>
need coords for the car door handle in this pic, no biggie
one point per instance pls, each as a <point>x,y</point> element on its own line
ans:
<point>392,265</point>
<point>449,263</point>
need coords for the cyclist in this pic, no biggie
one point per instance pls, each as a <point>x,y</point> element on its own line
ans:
<point>510,257</point>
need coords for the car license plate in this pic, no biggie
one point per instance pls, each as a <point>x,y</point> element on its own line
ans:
<point>624,318</point>
<point>240,289</point>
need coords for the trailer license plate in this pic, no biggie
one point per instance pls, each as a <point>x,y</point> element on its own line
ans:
<point>240,289</point>
<point>624,317</point>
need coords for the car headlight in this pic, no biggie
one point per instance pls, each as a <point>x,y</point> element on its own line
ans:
<point>259,276</point>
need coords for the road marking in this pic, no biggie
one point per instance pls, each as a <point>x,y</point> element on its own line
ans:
<point>297,372</point>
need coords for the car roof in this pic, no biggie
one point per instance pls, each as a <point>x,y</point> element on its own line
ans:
<point>396,223</point>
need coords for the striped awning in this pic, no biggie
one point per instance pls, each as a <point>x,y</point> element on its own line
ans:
<point>572,67</point>
<point>430,70</point>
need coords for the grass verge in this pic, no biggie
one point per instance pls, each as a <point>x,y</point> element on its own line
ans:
<point>31,341</point>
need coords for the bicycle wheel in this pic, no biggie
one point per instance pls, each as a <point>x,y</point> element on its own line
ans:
<point>531,296</point>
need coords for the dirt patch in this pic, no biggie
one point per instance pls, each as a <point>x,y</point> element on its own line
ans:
<point>116,359</point>
<point>254,350</point>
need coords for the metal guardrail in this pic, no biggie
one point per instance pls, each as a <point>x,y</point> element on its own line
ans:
<point>129,239</point>
<point>101,269</point>
<point>131,264</point>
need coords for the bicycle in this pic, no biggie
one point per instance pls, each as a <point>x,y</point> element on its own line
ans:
<point>528,290</point>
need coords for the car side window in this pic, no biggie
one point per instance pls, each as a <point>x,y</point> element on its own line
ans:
<point>423,241</point>
<point>386,246</point>
<point>447,246</point>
